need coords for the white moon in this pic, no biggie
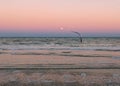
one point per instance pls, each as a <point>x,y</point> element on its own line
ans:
<point>61,28</point>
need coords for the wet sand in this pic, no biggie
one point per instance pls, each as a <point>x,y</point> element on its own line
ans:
<point>76,58</point>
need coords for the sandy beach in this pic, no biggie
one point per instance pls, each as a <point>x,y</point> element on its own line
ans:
<point>59,68</point>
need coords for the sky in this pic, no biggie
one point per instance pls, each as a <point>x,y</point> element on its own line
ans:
<point>59,17</point>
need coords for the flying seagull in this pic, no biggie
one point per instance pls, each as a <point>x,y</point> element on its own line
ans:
<point>80,37</point>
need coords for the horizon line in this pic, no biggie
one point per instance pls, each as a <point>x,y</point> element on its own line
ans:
<point>58,36</point>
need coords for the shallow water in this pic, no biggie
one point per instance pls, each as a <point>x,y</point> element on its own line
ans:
<point>93,43</point>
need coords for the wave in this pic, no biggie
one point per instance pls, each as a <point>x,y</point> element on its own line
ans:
<point>98,44</point>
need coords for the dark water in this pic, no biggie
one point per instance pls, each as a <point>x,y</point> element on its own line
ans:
<point>92,43</point>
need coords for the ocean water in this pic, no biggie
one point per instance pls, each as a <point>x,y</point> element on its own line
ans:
<point>65,43</point>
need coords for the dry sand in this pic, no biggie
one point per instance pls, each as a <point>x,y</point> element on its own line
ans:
<point>79,77</point>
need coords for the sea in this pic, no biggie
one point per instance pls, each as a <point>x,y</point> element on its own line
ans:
<point>60,43</point>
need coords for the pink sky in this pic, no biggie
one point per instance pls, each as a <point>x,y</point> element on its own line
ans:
<point>49,15</point>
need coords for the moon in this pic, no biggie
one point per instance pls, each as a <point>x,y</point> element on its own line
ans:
<point>61,28</point>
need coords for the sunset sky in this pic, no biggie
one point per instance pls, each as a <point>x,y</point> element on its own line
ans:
<point>59,17</point>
